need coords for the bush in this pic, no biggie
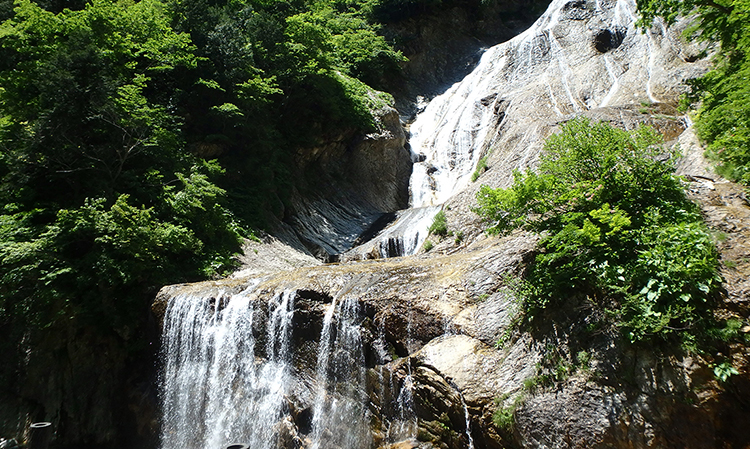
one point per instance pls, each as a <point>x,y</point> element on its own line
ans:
<point>617,227</point>
<point>504,417</point>
<point>439,225</point>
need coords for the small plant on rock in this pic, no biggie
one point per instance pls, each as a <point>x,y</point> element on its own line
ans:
<point>439,225</point>
<point>504,417</point>
<point>481,168</point>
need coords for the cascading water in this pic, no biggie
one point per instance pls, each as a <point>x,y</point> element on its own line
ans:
<point>578,56</point>
<point>211,382</point>
<point>339,414</point>
<point>224,384</point>
<point>447,140</point>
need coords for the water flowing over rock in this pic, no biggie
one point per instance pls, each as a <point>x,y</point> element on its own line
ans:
<point>328,358</point>
<point>419,351</point>
<point>580,57</point>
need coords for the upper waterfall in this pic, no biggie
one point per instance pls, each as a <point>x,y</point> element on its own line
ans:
<point>579,56</point>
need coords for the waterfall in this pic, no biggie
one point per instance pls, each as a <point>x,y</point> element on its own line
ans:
<point>224,384</point>
<point>211,382</point>
<point>339,413</point>
<point>447,140</point>
<point>576,57</point>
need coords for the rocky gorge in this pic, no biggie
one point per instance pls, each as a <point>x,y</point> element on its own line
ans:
<point>422,350</point>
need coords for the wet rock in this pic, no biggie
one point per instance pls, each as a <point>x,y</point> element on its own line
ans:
<point>287,435</point>
<point>444,44</point>
<point>580,58</point>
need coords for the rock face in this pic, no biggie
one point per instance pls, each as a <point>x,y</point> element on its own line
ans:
<point>444,45</point>
<point>80,379</point>
<point>420,351</point>
<point>423,319</point>
<point>347,185</point>
<point>352,183</point>
<point>579,58</point>
<point>427,370</point>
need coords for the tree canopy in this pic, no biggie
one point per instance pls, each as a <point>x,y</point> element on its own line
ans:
<point>119,119</point>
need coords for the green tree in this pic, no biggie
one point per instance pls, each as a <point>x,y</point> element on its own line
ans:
<point>102,204</point>
<point>85,97</point>
<point>616,225</point>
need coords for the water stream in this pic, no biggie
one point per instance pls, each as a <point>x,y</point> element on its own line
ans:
<point>447,140</point>
<point>457,128</point>
<point>211,382</point>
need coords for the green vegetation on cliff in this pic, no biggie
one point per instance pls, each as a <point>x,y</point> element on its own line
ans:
<point>723,94</point>
<point>117,119</point>
<point>140,141</point>
<point>617,228</point>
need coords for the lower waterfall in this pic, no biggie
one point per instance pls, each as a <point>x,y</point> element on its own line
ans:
<point>230,376</point>
<point>212,381</point>
<point>340,400</point>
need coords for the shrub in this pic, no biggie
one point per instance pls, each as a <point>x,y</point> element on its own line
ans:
<point>439,225</point>
<point>504,416</point>
<point>617,228</point>
<point>481,168</point>
<point>723,119</point>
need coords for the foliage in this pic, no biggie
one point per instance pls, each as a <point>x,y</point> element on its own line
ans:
<point>96,261</point>
<point>723,119</point>
<point>724,370</point>
<point>102,204</point>
<point>556,367</point>
<point>481,168</point>
<point>110,111</point>
<point>439,225</point>
<point>504,417</point>
<point>84,139</point>
<point>616,227</point>
<point>273,77</point>
<point>428,245</point>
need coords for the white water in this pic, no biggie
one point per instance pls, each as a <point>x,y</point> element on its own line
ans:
<point>451,133</point>
<point>553,70</point>
<point>222,384</point>
<point>340,414</point>
<point>467,420</point>
<point>211,382</point>
<point>449,136</point>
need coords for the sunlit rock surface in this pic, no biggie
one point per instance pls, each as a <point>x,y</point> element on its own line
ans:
<point>344,186</point>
